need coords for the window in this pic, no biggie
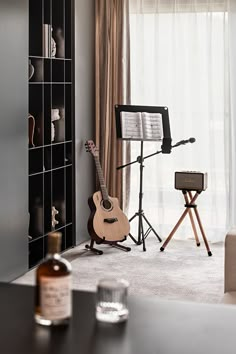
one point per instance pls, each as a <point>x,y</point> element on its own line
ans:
<point>179,59</point>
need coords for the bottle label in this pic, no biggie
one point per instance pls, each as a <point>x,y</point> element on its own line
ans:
<point>55,297</point>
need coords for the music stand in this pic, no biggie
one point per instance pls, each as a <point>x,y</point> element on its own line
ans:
<point>143,123</point>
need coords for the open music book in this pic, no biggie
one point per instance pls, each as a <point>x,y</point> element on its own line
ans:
<point>141,126</point>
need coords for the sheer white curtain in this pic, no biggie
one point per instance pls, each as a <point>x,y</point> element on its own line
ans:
<point>180,58</point>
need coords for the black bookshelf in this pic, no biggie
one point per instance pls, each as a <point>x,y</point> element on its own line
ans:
<point>51,124</point>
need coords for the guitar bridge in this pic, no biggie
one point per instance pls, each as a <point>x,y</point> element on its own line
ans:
<point>110,220</point>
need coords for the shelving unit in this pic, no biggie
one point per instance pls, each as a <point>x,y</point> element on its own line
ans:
<point>51,106</point>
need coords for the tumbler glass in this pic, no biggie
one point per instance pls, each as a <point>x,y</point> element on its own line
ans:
<point>111,305</point>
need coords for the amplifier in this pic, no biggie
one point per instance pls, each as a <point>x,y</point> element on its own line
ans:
<point>191,180</point>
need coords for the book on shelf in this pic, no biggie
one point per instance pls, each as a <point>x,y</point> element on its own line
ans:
<point>141,126</point>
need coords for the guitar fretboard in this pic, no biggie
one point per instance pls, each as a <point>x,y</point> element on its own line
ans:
<point>101,178</point>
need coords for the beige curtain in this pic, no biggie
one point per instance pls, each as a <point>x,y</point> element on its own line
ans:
<point>112,87</point>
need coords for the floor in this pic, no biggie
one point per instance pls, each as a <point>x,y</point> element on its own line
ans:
<point>183,271</point>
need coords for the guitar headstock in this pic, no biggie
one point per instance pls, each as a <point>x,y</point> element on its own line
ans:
<point>90,147</point>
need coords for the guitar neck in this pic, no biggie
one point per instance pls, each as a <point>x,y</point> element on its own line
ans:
<point>101,178</point>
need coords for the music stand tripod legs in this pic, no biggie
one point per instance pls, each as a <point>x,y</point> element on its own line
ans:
<point>142,235</point>
<point>188,206</point>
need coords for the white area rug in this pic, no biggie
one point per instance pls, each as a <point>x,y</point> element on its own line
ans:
<point>182,272</point>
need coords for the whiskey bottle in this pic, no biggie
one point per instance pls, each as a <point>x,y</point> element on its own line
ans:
<point>53,295</point>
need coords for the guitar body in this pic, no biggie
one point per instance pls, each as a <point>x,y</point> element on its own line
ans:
<point>107,222</point>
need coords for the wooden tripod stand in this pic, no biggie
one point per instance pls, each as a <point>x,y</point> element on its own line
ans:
<point>189,204</point>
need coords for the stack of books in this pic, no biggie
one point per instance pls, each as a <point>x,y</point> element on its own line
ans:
<point>49,49</point>
<point>47,29</point>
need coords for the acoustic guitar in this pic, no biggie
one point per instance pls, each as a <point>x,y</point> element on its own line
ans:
<point>107,222</point>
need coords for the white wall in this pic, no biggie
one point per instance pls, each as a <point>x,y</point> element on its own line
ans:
<point>84,110</point>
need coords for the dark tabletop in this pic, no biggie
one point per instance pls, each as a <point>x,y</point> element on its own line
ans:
<point>155,326</point>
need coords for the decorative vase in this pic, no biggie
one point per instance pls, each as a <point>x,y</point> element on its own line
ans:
<point>59,38</point>
<point>55,114</point>
<point>52,132</point>
<point>60,206</point>
<point>59,125</point>
<point>54,221</point>
<point>53,47</point>
<point>31,69</point>
<point>31,126</point>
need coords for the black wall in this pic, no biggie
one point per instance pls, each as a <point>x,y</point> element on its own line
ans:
<point>13,138</point>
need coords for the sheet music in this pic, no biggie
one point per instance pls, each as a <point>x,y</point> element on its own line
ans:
<point>131,125</point>
<point>141,126</point>
<point>152,126</point>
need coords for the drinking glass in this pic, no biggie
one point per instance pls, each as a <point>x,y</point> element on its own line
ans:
<point>111,304</point>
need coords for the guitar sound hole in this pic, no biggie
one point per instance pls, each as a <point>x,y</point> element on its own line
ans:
<point>107,204</point>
